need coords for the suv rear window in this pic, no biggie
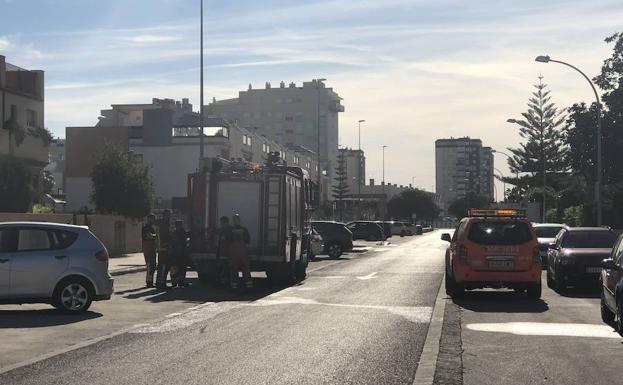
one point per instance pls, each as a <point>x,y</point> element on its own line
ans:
<point>499,233</point>
<point>547,231</point>
<point>589,239</point>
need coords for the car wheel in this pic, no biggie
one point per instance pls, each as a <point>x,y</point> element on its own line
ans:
<point>550,281</point>
<point>403,233</point>
<point>559,285</point>
<point>619,317</point>
<point>334,250</point>
<point>453,289</point>
<point>73,295</point>
<point>534,291</point>
<point>606,314</point>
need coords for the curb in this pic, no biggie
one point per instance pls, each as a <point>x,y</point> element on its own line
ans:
<point>127,270</point>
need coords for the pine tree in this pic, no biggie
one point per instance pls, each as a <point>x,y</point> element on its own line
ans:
<point>542,151</point>
<point>340,188</point>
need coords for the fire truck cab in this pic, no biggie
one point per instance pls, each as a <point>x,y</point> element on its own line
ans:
<point>274,202</point>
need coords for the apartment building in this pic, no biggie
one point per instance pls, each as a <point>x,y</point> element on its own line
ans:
<point>462,166</point>
<point>355,169</point>
<point>289,115</point>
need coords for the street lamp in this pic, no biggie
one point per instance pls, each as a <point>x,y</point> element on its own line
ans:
<point>360,181</point>
<point>201,83</point>
<point>547,59</point>
<point>501,176</point>
<point>516,169</point>
<point>383,182</point>
<point>515,121</point>
<point>318,82</point>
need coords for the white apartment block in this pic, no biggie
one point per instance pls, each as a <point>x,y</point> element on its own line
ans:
<point>462,165</point>
<point>289,115</point>
<point>355,169</point>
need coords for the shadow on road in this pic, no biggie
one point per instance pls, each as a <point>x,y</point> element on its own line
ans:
<point>26,319</point>
<point>318,258</point>
<point>200,293</point>
<point>500,302</point>
<point>581,292</point>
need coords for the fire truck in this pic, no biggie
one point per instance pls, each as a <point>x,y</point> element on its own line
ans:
<point>274,202</point>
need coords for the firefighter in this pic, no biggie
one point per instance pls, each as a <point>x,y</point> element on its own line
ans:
<point>164,234</point>
<point>222,249</point>
<point>179,255</point>
<point>238,256</point>
<point>150,242</point>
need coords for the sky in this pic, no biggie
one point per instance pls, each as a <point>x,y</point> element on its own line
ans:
<point>415,70</point>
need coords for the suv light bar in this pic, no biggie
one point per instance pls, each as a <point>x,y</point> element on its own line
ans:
<point>512,213</point>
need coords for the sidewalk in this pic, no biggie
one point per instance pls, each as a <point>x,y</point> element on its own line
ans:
<point>124,264</point>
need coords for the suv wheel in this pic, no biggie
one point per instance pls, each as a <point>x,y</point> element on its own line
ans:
<point>619,317</point>
<point>334,250</point>
<point>550,281</point>
<point>73,295</point>
<point>606,315</point>
<point>453,289</point>
<point>534,291</point>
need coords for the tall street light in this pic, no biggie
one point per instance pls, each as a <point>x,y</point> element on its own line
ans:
<point>383,182</point>
<point>201,84</point>
<point>501,177</point>
<point>360,156</point>
<point>318,82</point>
<point>516,170</point>
<point>543,211</point>
<point>547,59</point>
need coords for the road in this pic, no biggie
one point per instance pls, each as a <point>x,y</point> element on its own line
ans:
<point>362,319</point>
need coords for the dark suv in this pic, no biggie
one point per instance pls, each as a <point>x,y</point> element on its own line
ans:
<point>337,238</point>
<point>575,256</point>
<point>369,231</point>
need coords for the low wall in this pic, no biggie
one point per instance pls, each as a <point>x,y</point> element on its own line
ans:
<point>120,235</point>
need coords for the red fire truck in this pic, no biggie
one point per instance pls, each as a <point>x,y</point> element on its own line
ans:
<point>274,202</point>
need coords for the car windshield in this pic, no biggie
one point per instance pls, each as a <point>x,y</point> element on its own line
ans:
<point>499,233</point>
<point>589,240</point>
<point>547,231</point>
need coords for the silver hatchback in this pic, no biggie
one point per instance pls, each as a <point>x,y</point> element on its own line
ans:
<point>63,265</point>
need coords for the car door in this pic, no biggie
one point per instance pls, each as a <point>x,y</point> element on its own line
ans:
<point>612,277</point>
<point>7,247</point>
<point>36,264</point>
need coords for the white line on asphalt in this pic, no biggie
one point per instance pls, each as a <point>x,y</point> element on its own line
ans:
<point>425,372</point>
<point>369,276</point>
<point>547,329</point>
<point>323,266</point>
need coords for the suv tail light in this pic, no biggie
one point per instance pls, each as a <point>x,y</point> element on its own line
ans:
<point>102,255</point>
<point>536,255</point>
<point>462,251</point>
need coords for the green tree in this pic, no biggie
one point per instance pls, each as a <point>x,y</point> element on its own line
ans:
<point>120,185</point>
<point>543,150</point>
<point>581,138</point>
<point>414,201</point>
<point>340,188</point>
<point>16,191</point>
<point>458,208</point>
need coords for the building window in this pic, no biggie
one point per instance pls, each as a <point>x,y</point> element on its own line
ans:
<point>289,118</point>
<point>31,118</point>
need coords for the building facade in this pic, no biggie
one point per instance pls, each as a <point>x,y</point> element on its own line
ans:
<point>355,169</point>
<point>56,165</point>
<point>289,115</point>
<point>462,166</point>
<point>167,140</point>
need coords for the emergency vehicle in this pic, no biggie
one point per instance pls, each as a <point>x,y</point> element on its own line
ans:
<point>493,248</point>
<point>274,202</point>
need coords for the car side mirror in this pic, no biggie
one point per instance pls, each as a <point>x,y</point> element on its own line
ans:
<point>446,237</point>
<point>553,246</point>
<point>609,264</point>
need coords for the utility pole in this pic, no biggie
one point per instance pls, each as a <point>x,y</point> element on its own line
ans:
<point>318,82</point>
<point>360,158</point>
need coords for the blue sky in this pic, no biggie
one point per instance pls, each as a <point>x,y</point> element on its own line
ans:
<point>415,70</point>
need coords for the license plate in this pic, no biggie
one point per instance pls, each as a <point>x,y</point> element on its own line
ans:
<point>501,264</point>
<point>593,269</point>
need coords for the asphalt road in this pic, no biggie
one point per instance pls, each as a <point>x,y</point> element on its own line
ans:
<point>362,319</point>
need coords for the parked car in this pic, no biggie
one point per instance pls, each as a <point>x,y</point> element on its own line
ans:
<point>387,228</point>
<point>612,286</point>
<point>493,248</point>
<point>316,246</point>
<point>419,230</point>
<point>575,256</point>
<point>546,234</point>
<point>337,238</point>
<point>63,265</point>
<point>398,228</point>
<point>370,231</point>
<point>410,228</point>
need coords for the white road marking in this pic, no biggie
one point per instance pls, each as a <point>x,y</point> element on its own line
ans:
<point>182,320</point>
<point>547,329</point>
<point>369,276</point>
<point>425,372</point>
<point>418,314</point>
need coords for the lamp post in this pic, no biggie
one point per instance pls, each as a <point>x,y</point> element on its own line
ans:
<point>547,59</point>
<point>516,170</point>
<point>543,160</point>
<point>359,169</point>
<point>201,154</point>
<point>413,182</point>
<point>383,182</point>
<point>318,82</point>
<point>501,176</point>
